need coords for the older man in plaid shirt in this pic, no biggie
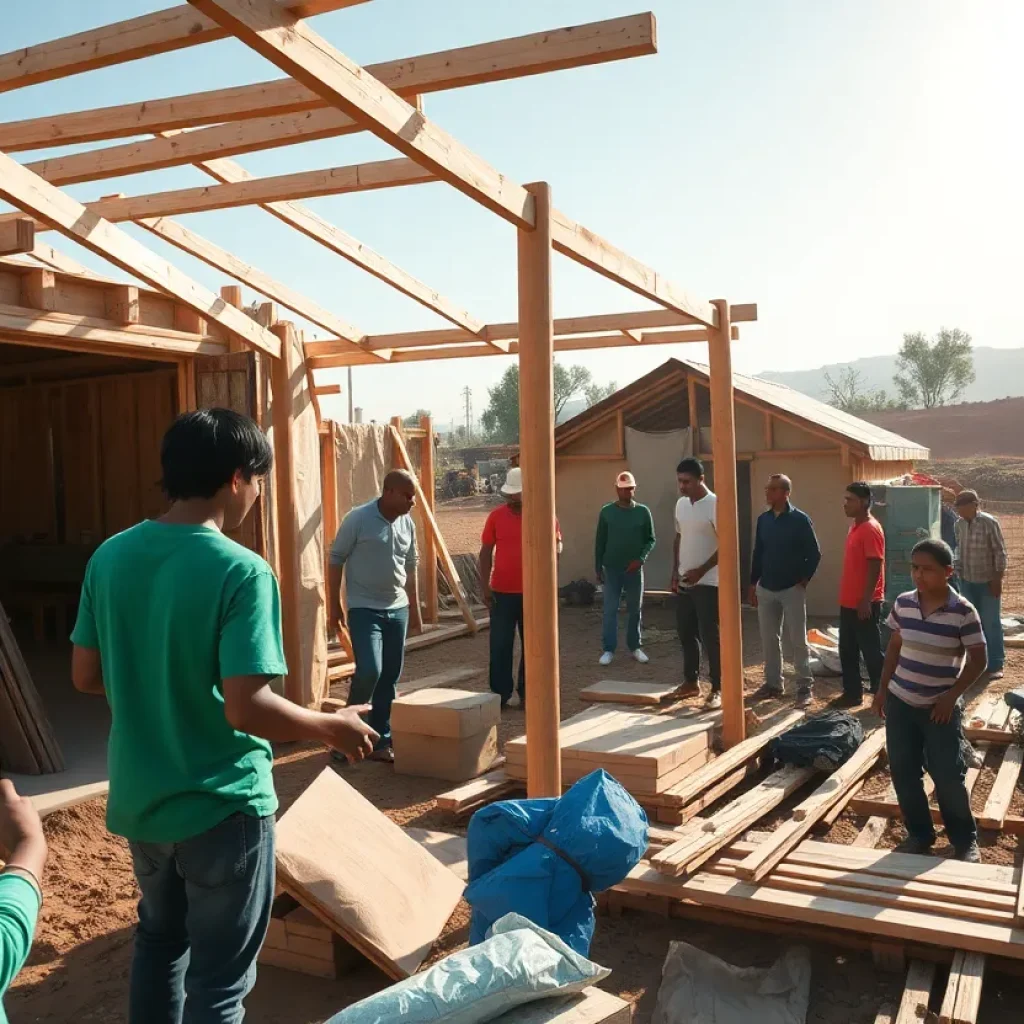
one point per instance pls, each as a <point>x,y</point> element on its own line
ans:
<point>980,564</point>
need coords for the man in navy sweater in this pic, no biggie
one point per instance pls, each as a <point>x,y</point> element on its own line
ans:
<point>786,556</point>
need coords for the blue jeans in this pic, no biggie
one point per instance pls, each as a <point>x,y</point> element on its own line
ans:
<point>617,582</point>
<point>506,618</point>
<point>990,611</point>
<point>378,642</point>
<point>203,916</point>
<point>913,742</point>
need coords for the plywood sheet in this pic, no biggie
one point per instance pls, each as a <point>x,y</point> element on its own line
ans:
<point>592,1006</point>
<point>448,713</point>
<point>448,848</point>
<point>615,691</point>
<point>363,876</point>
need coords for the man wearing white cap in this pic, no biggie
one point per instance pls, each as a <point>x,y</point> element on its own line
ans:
<point>625,537</point>
<point>501,574</point>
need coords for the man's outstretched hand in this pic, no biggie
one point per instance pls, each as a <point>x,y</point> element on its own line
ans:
<point>349,734</point>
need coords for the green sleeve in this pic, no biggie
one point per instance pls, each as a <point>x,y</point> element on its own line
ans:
<point>250,631</point>
<point>648,534</point>
<point>19,909</point>
<point>601,542</point>
<point>84,634</point>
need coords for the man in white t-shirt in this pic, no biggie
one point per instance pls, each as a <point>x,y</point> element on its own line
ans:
<point>695,579</point>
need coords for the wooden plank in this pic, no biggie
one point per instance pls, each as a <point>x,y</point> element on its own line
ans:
<point>308,58</point>
<point>413,894</point>
<point>403,461</point>
<point>701,838</point>
<point>917,992</point>
<point>431,611</point>
<point>613,691</point>
<point>727,893</point>
<point>734,757</point>
<point>445,712</point>
<point>998,803</point>
<point>579,45</point>
<point>159,32</point>
<point>211,254</point>
<point>17,235</point>
<point>761,861</point>
<point>30,193</point>
<point>491,786</point>
<point>968,996</point>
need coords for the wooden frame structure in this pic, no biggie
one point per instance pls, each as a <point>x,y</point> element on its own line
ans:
<point>326,94</point>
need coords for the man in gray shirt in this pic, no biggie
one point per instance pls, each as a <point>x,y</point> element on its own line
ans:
<point>376,551</point>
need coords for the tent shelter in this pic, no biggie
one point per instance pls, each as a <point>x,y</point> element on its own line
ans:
<point>650,425</point>
<point>264,359</point>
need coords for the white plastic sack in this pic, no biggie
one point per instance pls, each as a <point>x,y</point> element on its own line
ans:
<point>698,988</point>
<point>516,964</point>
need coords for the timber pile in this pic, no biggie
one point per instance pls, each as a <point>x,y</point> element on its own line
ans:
<point>27,743</point>
<point>646,753</point>
<point>993,722</point>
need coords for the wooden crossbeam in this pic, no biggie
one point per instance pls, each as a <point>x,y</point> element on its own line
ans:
<point>308,58</point>
<point>17,235</point>
<point>73,333</point>
<point>29,193</point>
<point>576,46</point>
<point>159,32</point>
<point>211,254</point>
<point>330,181</point>
<point>313,226</point>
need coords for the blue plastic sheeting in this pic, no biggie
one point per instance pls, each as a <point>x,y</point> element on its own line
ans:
<point>517,964</point>
<point>545,859</point>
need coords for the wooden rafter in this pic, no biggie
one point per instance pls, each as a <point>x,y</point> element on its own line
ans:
<point>308,58</point>
<point>214,256</point>
<point>160,32</point>
<point>315,227</point>
<point>576,46</point>
<point>305,184</point>
<point>17,235</point>
<point>29,193</point>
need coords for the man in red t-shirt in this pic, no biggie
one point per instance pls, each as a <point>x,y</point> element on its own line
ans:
<point>501,573</point>
<point>861,590</point>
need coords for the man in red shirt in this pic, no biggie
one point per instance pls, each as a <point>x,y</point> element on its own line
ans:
<point>501,574</point>
<point>861,590</point>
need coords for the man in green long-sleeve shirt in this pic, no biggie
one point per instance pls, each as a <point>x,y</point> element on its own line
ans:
<point>625,537</point>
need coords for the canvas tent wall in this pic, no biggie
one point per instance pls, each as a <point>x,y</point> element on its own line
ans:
<point>777,431</point>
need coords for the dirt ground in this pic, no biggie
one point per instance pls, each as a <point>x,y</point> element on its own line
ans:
<point>79,966</point>
<point>961,431</point>
<point>462,519</point>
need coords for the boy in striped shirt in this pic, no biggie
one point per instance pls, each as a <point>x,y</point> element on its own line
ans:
<point>936,652</point>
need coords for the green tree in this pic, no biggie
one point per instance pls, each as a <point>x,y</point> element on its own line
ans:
<point>846,392</point>
<point>414,419</point>
<point>932,373</point>
<point>501,417</point>
<point>599,392</point>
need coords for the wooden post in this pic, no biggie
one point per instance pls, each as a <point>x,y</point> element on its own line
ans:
<point>429,560</point>
<point>329,489</point>
<point>232,295</point>
<point>186,386</point>
<point>282,384</point>
<point>723,449</point>
<point>537,461</point>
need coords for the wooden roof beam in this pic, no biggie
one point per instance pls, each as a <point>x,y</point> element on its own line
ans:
<point>17,235</point>
<point>292,45</point>
<point>327,182</point>
<point>29,193</point>
<point>315,227</point>
<point>594,43</point>
<point>160,32</point>
<point>72,333</point>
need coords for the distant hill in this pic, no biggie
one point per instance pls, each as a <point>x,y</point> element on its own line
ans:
<point>999,373</point>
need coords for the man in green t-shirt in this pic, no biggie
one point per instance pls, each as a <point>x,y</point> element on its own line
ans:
<point>180,628</point>
<point>625,537</point>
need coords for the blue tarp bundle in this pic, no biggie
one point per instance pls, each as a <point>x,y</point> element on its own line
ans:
<point>545,859</point>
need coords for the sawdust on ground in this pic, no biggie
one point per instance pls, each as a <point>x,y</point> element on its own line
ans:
<point>80,963</point>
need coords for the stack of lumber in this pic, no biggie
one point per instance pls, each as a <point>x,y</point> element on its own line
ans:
<point>646,753</point>
<point>993,722</point>
<point>359,874</point>
<point>27,743</point>
<point>298,941</point>
<point>445,733</point>
<point>612,691</point>
<point>478,793</point>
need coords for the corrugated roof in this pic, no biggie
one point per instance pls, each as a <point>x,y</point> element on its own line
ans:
<point>878,444</point>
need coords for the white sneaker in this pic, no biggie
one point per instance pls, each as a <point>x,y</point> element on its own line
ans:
<point>640,656</point>
<point>606,658</point>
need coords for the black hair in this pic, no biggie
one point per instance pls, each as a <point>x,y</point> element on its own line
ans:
<point>691,466</point>
<point>938,549</point>
<point>860,490</point>
<point>202,450</point>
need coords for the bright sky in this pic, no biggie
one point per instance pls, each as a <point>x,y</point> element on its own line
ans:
<point>855,169</point>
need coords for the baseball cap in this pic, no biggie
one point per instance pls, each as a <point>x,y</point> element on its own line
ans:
<point>625,479</point>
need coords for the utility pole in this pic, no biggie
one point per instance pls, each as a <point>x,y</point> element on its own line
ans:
<point>467,395</point>
<point>351,400</point>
